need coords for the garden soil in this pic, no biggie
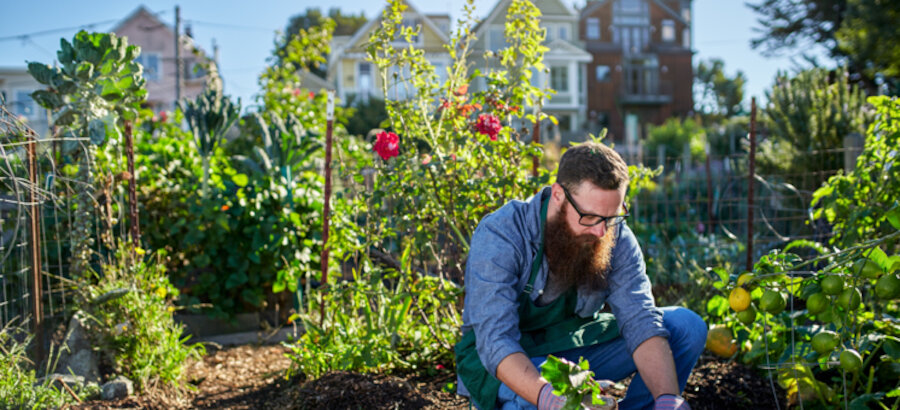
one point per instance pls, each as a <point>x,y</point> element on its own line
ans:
<point>252,377</point>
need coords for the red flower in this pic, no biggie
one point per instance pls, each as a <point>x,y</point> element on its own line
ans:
<point>387,145</point>
<point>296,92</point>
<point>312,95</point>
<point>163,116</point>
<point>225,207</point>
<point>488,125</point>
<point>461,90</point>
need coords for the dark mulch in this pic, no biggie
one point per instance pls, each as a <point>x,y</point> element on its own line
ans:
<point>718,384</point>
<point>252,377</point>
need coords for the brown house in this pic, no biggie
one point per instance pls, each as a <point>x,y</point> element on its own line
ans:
<point>641,72</point>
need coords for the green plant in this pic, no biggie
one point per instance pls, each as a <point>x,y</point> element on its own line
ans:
<point>676,136</point>
<point>845,322</point>
<point>19,386</point>
<point>572,381</point>
<point>97,88</point>
<point>381,322</point>
<point>130,316</point>
<point>209,116</point>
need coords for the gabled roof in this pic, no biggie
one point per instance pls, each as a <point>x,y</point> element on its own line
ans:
<point>365,29</point>
<point>563,48</point>
<point>141,11</point>
<point>503,5</point>
<point>593,5</point>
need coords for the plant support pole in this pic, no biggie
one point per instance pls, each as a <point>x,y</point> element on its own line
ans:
<point>132,187</point>
<point>536,139</point>
<point>329,127</point>
<point>750,182</point>
<point>34,228</point>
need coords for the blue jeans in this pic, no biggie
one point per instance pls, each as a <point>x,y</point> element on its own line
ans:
<point>611,360</point>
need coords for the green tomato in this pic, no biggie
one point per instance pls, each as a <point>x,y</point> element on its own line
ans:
<point>825,341</point>
<point>867,269</point>
<point>817,303</point>
<point>888,287</point>
<point>832,284</point>
<point>851,361</point>
<point>772,302</point>
<point>747,316</point>
<point>849,298</point>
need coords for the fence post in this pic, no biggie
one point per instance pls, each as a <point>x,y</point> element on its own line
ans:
<point>709,192</point>
<point>329,122</point>
<point>750,182</point>
<point>535,138</point>
<point>853,146</point>
<point>35,233</point>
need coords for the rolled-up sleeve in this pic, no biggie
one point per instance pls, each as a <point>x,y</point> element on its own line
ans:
<point>491,306</point>
<point>630,297</point>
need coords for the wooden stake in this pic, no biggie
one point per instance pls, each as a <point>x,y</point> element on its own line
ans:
<point>329,125</point>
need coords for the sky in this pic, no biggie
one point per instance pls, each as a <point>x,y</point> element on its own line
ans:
<point>245,31</point>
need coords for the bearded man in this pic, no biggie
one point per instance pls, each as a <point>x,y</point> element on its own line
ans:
<point>538,274</point>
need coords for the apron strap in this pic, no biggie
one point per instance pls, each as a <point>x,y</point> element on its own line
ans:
<point>539,258</point>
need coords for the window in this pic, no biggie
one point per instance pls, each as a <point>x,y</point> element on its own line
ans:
<point>668,30</point>
<point>592,28</point>
<point>631,6</point>
<point>686,38</point>
<point>559,78</point>
<point>24,105</point>
<point>563,32</point>
<point>364,78</point>
<point>150,62</point>
<point>602,73</point>
<point>496,39</point>
<point>551,32</point>
<point>412,23</point>
<point>686,13</point>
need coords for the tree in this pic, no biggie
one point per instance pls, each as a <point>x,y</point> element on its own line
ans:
<point>720,96</point>
<point>345,25</point>
<point>860,34</point>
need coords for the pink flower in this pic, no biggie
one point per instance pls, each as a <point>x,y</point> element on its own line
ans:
<point>488,125</point>
<point>426,160</point>
<point>387,145</point>
<point>439,367</point>
<point>163,116</point>
<point>296,92</point>
<point>312,95</point>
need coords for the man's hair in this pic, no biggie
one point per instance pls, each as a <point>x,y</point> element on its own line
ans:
<point>594,162</point>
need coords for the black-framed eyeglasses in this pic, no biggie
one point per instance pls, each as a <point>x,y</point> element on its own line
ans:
<point>586,219</point>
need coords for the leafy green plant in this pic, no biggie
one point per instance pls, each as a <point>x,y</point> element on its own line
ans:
<point>572,381</point>
<point>675,135</point>
<point>209,116</point>
<point>842,346</point>
<point>381,322</point>
<point>97,88</point>
<point>130,316</point>
<point>19,386</point>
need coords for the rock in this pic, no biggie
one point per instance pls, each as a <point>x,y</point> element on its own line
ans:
<point>118,388</point>
<point>76,355</point>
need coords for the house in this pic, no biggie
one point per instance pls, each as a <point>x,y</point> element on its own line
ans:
<point>355,78</point>
<point>566,59</point>
<point>641,72</point>
<point>157,42</point>
<point>16,86</point>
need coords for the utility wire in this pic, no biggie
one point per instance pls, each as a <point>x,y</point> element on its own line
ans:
<point>66,29</point>
<point>231,26</point>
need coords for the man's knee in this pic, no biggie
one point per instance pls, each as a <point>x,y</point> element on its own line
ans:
<point>686,327</point>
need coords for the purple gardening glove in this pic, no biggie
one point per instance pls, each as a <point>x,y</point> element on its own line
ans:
<point>549,401</point>
<point>671,402</point>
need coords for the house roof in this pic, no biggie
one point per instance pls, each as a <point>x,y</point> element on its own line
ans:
<point>365,29</point>
<point>502,5</point>
<point>593,5</point>
<point>142,11</point>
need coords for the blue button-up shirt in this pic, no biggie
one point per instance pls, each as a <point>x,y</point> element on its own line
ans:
<point>501,253</point>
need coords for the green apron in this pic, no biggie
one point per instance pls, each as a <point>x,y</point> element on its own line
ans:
<point>545,330</point>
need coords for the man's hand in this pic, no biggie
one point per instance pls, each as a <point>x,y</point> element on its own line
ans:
<point>549,401</point>
<point>670,402</point>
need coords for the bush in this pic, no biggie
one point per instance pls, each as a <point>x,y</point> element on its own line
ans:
<point>129,307</point>
<point>675,135</point>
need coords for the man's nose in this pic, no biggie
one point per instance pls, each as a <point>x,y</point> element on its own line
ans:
<point>598,230</point>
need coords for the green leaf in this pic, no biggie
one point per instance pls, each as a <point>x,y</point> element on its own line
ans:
<point>47,99</point>
<point>717,305</point>
<point>235,279</point>
<point>240,180</point>
<point>97,131</point>
<point>84,71</point>
<point>878,256</point>
<point>41,72</point>
<point>893,216</point>
<point>892,347</point>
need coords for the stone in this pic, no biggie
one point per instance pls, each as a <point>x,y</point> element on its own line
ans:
<point>118,388</point>
<point>76,355</point>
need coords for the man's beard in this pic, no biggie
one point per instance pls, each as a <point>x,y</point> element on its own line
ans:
<point>580,260</point>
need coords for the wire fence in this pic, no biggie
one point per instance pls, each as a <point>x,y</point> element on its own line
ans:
<point>701,213</point>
